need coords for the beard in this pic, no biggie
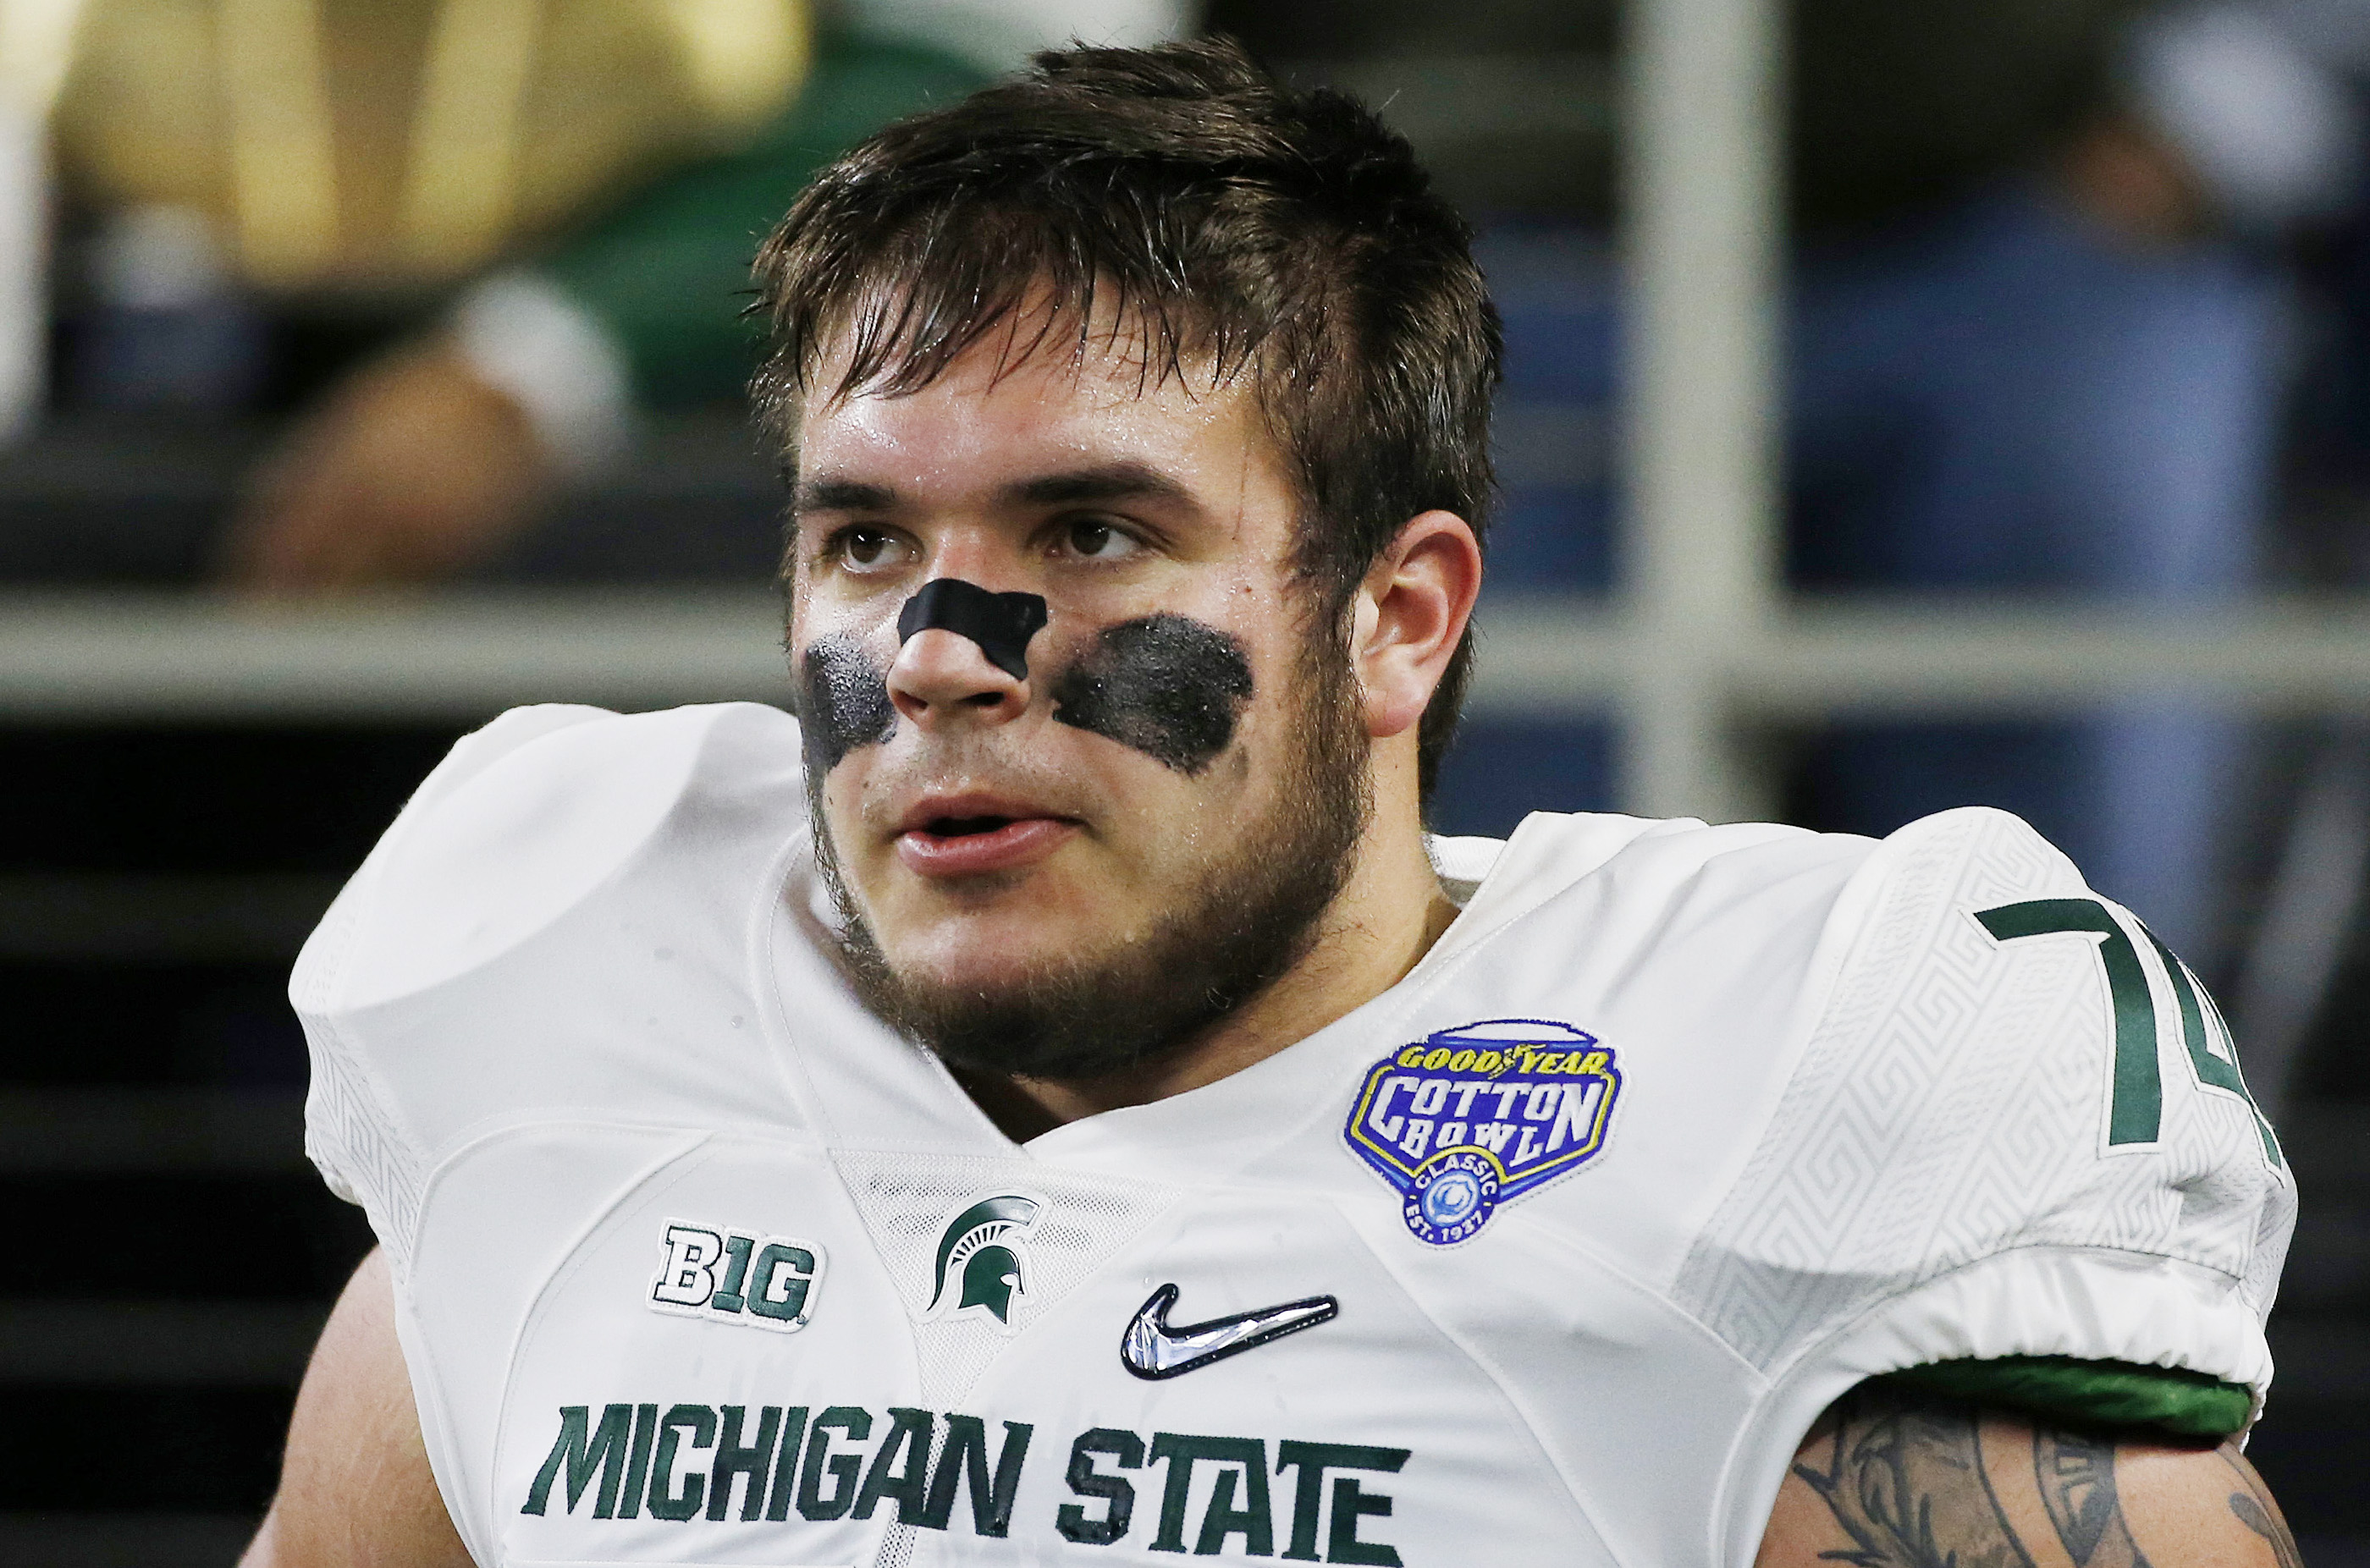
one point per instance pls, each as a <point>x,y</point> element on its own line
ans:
<point>1243,920</point>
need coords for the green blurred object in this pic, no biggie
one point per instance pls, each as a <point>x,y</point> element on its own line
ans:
<point>668,271</point>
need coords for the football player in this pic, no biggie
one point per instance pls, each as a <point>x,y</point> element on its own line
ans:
<point>1053,1103</point>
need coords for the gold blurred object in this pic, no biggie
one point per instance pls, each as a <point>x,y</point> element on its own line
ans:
<point>283,167</point>
<point>376,147</point>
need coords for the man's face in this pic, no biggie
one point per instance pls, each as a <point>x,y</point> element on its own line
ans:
<point>1139,830</point>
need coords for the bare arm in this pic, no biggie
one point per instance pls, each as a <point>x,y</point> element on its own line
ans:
<point>1892,1480</point>
<point>355,1490</point>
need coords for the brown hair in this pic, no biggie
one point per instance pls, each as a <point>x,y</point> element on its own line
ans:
<point>1288,233</point>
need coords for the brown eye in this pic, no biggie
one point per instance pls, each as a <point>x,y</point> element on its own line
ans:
<point>1098,541</point>
<point>866,546</point>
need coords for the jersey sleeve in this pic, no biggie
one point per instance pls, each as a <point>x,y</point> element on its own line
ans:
<point>2018,1130</point>
<point>353,1132</point>
<point>539,886</point>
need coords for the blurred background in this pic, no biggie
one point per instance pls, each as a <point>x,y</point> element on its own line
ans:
<point>1907,406</point>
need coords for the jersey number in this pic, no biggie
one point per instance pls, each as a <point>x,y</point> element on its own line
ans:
<point>2135,1109</point>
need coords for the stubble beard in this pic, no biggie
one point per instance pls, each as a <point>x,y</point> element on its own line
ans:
<point>1247,918</point>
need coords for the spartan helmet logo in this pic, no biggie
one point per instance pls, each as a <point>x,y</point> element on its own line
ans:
<point>980,1264</point>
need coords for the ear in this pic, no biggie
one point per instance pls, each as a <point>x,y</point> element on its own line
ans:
<point>1409,615</point>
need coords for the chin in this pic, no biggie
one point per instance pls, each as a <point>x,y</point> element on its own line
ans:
<point>994,955</point>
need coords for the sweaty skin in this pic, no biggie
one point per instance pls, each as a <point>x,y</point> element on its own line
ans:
<point>1167,685</point>
<point>1001,623</point>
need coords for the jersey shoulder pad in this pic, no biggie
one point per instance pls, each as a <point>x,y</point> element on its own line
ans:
<point>2016,1129</point>
<point>490,925</point>
<point>529,816</point>
<point>1552,854</point>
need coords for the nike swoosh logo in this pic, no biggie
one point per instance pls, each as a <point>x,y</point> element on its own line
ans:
<point>1150,1348</point>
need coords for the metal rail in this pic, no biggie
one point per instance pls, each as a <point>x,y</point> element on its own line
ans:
<point>1700,243</point>
<point>140,658</point>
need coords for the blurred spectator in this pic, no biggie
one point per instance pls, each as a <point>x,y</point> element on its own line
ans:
<point>2068,380</point>
<point>2036,346</point>
<point>523,220</point>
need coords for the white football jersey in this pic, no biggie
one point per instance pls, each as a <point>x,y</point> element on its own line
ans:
<point>1548,1255</point>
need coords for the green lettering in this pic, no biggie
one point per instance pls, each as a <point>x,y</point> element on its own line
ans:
<point>665,1502</point>
<point>1341,1543</point>
<point>1312,1461</point>
<point>857,1424</point>
<point>1253,1521</point>
<point>1181,1451</point>
<point>2196,1032</point>
<point>603,1448</point>
<point>637,1469</point>
<point>778,1507</point>
<point>908,1437</point>
<point>786,1270</point>
<point>2135,1107</point>
<point>728,1294</point>
<point>1117,1491</point>
<point>964,1460</point>
<point>733,1460</point>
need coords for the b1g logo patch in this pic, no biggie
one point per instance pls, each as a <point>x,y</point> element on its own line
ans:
<point>1468,1117</point>
<point>736,1277</point>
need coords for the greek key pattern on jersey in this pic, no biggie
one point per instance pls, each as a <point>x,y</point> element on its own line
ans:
<point>349,1132</point>
<point>1948,1106</point>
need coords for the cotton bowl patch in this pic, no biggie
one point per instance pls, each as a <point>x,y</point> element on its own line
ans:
<point>1466,1118</point>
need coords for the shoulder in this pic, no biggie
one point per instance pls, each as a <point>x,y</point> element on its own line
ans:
<point>488,963</point>
<point>528,816</point>
<point>1672,893</point>
<point>2016,1127</point>
<point>1996,1028</point>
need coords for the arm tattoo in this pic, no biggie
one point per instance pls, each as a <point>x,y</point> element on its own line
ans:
<point>2077,1485</point>
<point>2253,1506</point>
<point>1905,1480</point>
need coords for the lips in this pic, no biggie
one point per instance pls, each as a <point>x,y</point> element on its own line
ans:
<point>969,836</point>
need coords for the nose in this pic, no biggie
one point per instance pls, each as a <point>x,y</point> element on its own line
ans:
<point>940,676</point>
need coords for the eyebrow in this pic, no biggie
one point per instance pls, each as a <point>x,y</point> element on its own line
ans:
<point>841,494</point>
<point>1107,481</point>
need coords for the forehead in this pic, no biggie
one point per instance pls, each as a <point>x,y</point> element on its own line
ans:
<point>1013,405</point>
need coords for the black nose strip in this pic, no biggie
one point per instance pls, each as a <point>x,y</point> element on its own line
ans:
<point>1001,623</point>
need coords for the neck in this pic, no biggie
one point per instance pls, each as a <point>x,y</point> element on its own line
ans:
<point>1382,923</point>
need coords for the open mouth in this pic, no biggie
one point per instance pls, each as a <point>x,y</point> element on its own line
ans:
<point>964,827</point>
<point>964,843</point>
